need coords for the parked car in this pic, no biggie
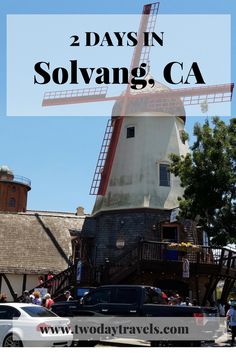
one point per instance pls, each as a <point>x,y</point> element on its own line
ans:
<point>25,325</point>
<point>130,301</point>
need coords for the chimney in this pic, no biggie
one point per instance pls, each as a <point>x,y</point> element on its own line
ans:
<point>80,211</point>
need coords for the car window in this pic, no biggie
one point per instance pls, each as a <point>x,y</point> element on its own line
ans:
<point>99,296</point>
<point>37,311</point>
<point>152,296</point>
<point>126,296</point>
<point>8,312</point>
<point>82,291</point>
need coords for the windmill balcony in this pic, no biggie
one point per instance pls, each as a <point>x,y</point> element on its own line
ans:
<point>162,251</point>
<point>164,257</point>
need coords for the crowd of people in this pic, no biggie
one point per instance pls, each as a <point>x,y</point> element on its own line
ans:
<point>45,301</point>
<point>35,298</point>
<point>178,300</point>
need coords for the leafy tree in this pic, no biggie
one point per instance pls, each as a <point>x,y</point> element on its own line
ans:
<point>208,175</point>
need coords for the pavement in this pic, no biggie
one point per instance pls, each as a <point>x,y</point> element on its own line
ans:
<point>222,341</point>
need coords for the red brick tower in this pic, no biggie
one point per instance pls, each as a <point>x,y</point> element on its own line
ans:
<point>13,191</point>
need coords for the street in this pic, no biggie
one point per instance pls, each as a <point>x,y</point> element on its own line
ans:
<point>222,341</point>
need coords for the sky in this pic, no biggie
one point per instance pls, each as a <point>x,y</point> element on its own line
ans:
<point>59,153</point>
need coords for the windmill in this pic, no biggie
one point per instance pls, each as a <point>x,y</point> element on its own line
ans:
<point>161,99</point>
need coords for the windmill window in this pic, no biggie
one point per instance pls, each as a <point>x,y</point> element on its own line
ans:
<point>130,132</point>
<point>12,202</point>
<point>164,173</point>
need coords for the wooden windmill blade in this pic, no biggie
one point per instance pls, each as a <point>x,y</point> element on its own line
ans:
<point>195,95</point>
<point>113,129</point>
<point>111,136</point>
<point>190,96</point>
<point>96,94</point>
<point>147,24</point>
<point>75,96</point>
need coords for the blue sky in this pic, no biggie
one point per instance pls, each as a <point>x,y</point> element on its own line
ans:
<point>59,154</point>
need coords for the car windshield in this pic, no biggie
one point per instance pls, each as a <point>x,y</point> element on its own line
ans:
<point>37,311</point>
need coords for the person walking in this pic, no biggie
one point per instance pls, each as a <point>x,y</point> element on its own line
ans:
<point>50,281</point>
<point>37,300</point>
<point>68,296</point>
<point>231,317</point>
<point>49,301</point>
<point>26,297</point>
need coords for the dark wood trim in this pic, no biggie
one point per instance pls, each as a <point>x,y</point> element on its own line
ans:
<point>210,289</point>
<point>197,288</point>
<point>24,282</point>
<point>9,285</point>
<point>0,283</point>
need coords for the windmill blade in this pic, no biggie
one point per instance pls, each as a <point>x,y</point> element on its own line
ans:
<point>96,183</point>
<point>75,96</point>
<point>211,94</point>
<point>141,55</point>
<point>89,95</point>
<point>147,24</point>
<point>190,96</point>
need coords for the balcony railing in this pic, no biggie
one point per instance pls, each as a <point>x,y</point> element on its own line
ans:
<point>151,251</point>
<point>18,179</point>
<point>160,251</point>
<point>22,180</point>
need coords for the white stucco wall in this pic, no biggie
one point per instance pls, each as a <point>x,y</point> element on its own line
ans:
<point>16,281</point>
<point>134,179</point>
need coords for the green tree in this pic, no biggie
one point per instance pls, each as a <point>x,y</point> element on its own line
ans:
<point>208,175</point>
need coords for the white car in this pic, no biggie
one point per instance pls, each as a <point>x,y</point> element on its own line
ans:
<point>32,325</point>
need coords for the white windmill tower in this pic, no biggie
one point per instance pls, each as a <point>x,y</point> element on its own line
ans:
<point>139,176</point>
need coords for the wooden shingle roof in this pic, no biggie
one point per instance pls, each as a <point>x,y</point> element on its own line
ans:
<point>36,243</point>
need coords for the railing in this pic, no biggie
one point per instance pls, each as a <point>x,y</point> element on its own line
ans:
<point>159,251</point>
<point>18,179</point>
<point>58,283</point>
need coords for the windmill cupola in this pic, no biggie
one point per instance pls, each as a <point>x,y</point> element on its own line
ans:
<point>13,191</point>
<point>144,100</point>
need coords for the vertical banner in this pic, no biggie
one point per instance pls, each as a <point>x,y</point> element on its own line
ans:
<point>79,271</point>
<point>186,266</point>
